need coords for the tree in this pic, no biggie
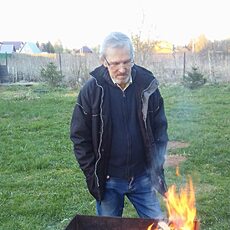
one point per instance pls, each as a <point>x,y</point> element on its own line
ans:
<point>198,44</point>
<point>194,79</point>
<point>49,47</point>
<point>58,47</point>
<point>42,47</point>
<point>37,43</point>
<point>143,49</point>
<point>51,75</point>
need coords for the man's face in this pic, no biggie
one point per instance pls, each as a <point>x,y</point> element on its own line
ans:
<point>119,64</point>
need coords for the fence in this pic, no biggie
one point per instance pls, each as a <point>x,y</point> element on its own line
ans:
<point>171,67</point>
<point>166,67</point>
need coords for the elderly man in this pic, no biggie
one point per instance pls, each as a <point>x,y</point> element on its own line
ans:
<point>119,132</point>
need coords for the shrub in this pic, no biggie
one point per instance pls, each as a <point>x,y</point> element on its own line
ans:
<point>51,75</point>
<point>194,79</point>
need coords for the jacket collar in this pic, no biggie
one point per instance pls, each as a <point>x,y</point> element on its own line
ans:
<point>140,75</point>
<point>101,73</point>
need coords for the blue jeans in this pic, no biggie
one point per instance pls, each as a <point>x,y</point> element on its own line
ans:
<point>138,190</point>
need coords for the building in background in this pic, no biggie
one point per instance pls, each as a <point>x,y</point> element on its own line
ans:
<point>16,44</point>
<point>30,48</point>
<point>7,49</point>
<point>82,51</point>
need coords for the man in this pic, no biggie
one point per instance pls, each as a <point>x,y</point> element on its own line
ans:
<point>119,132</point>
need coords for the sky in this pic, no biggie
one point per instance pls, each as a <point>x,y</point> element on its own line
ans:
<point>86,22</point>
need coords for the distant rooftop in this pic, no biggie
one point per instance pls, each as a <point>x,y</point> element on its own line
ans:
<point>9,49</point>
<point>84,49</point>
<point>30,47</point>
<point>17,44</point>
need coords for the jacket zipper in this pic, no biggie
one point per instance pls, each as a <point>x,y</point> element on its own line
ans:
<point>128,136</point>
<point>101,134</point>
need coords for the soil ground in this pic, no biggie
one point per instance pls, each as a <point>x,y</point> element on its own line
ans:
<point>175,160</point>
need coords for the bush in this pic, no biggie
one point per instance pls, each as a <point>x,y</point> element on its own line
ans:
<point>194,79</point>
<point>51,75</point>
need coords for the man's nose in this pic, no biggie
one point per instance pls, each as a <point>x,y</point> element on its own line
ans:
<point>122,68</point>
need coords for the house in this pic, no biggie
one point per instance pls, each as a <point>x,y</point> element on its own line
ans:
<point>30,48</point>
<point>9,49</point>
<point>83,50</point>
<point>164,47</point>
<point>17,44</point>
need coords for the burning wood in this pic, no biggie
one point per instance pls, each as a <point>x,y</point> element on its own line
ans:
<point>168,226</point>
<point>163,226</point>
<point>160,226</point>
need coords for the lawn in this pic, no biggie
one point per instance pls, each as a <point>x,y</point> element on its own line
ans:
<point>42,186</point>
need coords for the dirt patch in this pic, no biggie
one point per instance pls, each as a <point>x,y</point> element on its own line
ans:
<point>175,160</point>
<point>177,145</point>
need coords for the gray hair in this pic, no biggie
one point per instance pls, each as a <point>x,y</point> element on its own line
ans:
<point>116,40</point>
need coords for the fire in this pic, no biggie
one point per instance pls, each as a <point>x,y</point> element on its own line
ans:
<point>150,227</point>
<point>177,171</point>
<point>181,207</point>
<point>160,226</point>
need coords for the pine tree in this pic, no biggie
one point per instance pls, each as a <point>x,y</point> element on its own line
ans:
<point>194,79</point>
<point>51,75</point>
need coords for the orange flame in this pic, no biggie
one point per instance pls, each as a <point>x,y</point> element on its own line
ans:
<point>181,208</point>
<point>150,227</point>
<point>177,171</point>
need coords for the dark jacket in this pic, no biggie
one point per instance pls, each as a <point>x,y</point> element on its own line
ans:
<point>91,128</point>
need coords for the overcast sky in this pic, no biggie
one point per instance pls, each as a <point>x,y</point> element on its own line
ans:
<point>86,22</point>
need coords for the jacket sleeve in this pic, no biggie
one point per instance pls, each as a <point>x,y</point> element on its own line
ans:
<point>159,122</point>
<point>80,133</point>
<point>159,127</point>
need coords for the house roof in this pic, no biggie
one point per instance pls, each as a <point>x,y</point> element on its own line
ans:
<point>9,49</point>
<point>16,44</point>
<point>30,48</point>
<point>84,49</point>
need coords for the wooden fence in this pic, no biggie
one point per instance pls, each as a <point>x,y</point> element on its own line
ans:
<point>168,68</point>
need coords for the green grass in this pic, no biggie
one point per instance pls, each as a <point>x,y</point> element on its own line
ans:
<point>42,186</point>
